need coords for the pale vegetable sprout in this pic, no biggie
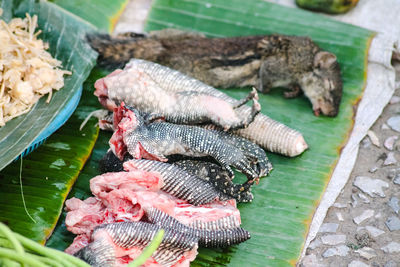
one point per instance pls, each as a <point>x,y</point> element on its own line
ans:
<point>27,70</point>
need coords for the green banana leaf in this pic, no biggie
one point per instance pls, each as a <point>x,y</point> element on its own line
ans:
<point>279,217</point>
<point>103,14</point>
<point>47,176</point>
<point>64,34</point>
<point>6,6</point>
<point>61,238</point>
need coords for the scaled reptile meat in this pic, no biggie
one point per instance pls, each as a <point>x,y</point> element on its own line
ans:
<point>178,182</point>
<point>219,177</point>
<point>261,164</point>
<point>219,234</point>
<point>206,170</point>
<point>138,89</point>
<point>121,239</point>
<point>157,140</point>
<point>134,199</point>
<point>264,131</point>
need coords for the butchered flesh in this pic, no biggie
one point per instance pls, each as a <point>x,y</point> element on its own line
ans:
<point>125,196</point>
<point>138,89</point>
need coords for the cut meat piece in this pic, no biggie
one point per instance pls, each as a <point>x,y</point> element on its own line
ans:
<point>127,205</point>
<point>208,171</point>
<point>80,241</point>
<point>178,182</point>
<point>157,140</point>
<point>138,89</point>
<point>102,91</point>
<point>210,235</point>
<point>119,197</point>
<point>118,240</point>
<point>189,214</point>
<point>124,197</point>
<point>83,216</point>
<point>135,180</point>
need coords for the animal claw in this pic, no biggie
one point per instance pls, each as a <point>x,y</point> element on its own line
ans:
<point>255,94</point>
<point>255,109</point>
<point>244,167</point>
<point>250,182</point>
<point>256,105</point>
<point>230,171</point>
<point>251,96</point>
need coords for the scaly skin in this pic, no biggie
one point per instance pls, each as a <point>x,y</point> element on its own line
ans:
<point>150,94</point>
<point>217,176</point>
<point>208,171</point>
<point>98,254</point>
<point>126,235</point>
<point>178,238</point>
<point>160,139</point>
<point>229,222</point>
<point>219,237</point>
<point>267,133</point>
<point>251,150</point>
<point>261,162</point>
<point>178,182</point>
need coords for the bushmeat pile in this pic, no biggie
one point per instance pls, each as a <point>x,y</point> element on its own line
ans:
<point>165,170</point>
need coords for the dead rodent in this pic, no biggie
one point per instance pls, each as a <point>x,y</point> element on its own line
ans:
<point>264,62</point>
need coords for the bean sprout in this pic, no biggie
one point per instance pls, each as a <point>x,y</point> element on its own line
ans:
<point>27,70</point>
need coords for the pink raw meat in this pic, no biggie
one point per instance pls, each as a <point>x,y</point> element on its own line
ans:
<point>187,213</point>
<point>80,241</point>
<point>119,197</point>
<point>125,121</point>
<point>124,196</point>
<point>133,180</point>
<point>102,91</point>
<point>129,205</point>
<point>84,216</point>
<point>175,97</point>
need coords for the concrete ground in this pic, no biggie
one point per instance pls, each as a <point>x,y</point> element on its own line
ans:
<point>363,227</point>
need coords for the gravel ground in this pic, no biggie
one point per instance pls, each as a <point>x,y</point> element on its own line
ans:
<point>363,227</point>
